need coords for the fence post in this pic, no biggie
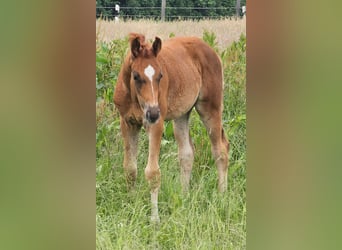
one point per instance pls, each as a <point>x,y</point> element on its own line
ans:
<point>163,5</point>
<point>237,8</point>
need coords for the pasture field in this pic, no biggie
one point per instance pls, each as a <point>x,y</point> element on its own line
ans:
<point>226,30</point>
<point>201,219</point>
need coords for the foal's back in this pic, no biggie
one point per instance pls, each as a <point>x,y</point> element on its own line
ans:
<point>192,50</point>
<point>194,73</point>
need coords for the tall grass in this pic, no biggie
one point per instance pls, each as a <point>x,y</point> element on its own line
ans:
<point>227,30</point>
<point>202,219</point>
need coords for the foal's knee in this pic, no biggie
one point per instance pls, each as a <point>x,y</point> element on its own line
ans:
<point>220,152</point>
<point>186,158</point>
<point>221,160</point>
<point>131,174</point>
<point>225,142</point>
<point>152,175</point>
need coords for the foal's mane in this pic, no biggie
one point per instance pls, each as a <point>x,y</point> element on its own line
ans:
<point>145,47</point>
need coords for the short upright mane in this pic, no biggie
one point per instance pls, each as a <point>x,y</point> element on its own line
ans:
<point>144,48</point>
<point>133,36</point>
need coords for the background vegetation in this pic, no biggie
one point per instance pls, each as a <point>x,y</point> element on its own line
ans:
<point>226,30</point>
<point>203,219</point>
<point>151,8</point>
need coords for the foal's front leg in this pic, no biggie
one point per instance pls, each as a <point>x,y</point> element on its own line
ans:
<point>152,172</point>
<point>130,133</point>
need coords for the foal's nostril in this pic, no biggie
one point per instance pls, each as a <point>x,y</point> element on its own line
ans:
<point>148,115</point>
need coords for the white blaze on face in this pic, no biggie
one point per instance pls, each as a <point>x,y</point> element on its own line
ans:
<point>149,72</point>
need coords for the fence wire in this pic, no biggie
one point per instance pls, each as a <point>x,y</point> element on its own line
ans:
<point>191,13</point>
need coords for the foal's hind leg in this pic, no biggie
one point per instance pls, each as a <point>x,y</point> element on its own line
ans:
<point>185,149</point>
<point>212,119</point>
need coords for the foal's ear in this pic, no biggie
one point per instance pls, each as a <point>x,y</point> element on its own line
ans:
<point>156,46</point>
<point>135,47</point>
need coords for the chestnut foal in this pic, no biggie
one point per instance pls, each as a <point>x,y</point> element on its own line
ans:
<point>164,83</point>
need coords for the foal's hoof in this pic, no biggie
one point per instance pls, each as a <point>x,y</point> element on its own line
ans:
<point>155,219</point>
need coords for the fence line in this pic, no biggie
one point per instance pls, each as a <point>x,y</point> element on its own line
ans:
<point>191,10</point>
<point>182,8</point>
<point>180,17</point>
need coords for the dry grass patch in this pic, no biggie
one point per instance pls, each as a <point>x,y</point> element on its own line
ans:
<point>226,30</point>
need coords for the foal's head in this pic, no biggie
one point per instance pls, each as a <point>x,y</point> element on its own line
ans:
<point>146,75</point>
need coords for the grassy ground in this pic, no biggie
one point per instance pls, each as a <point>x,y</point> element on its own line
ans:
<point>202,219</point>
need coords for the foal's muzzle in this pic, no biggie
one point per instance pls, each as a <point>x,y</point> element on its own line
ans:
<point>152,114</point>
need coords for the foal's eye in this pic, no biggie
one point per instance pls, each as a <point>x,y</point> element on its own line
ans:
<point>136,76</point>
<point>159,77</point>
<point>138,80</point>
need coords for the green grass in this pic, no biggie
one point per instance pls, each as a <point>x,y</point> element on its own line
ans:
<point>201,219</point>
